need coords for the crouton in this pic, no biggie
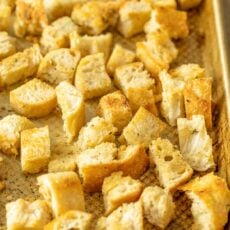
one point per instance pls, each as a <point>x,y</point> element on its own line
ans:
<point>19,66</point>
<point>96,131</point>
<point>159,3</point>
<point>137,86</point>
<point>132,17</point>
<point>143,128</point>
<point>115,109</point>
<point>172,169</point>
<point>91,44</point>
<point>133,160</point>
<point>62,164</point>
<point>188,4</point>
<point>101,223</point>
<point>174,22</point>
<point>158,206</point>
<point>210,201</point>
<point>73,108</point>
<point>157,52</point>
<point>117,190</point>
<point>94,17</point>
<point>187,72</point>
<point>198,99</point>
<point>35,149</point>
<point>56,35</point>
<point>7,45</point>
<point>172,104</point>
<point>33,99</point>
<point>5,14</point>
<point>30,18</point>
<point>11,128</point>
<point>91,77</point>
<point>195,143</point>
<point>63,191</point>
<point>58,65</point>
<point>71,220</point>
<point>21,214</point>
<point>128,216</point>
<point>56,9</point>
<point>97,163</point>
<point>120,56</point>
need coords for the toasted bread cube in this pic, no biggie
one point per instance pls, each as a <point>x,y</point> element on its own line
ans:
<point>94,17</point>
<point>7,45</point>
<point>133,16</point>
<point>33,99</point>
<point>172,104</point>
<point>72,105</point>
<point>143,128</point>
<point>120,56</point>
<point>137,86</point>
<point>187,72</point>
<point>91,44</point>
<point>195,143</point>
<point>30,18</point>
<point>97,131</point>
<point>56,9</point>
<point>118,190</point>
<point>21,214</point>
<point>63,190</point>
<point>210,201</point>
<point>19,66</point>
<point>35,149</point>
<point>159,3</point>
<point>101,223</point>
<point>62,164</point>
<point>172,169</point>
<point>133,157</point>
<point>198,99</point>
<point>188,4</point>
<point>56,35</point>
<point>5,13</point>
<point>97,163</point>
<point>10,131</point>
<point>58,65</point>
<point>91,77</point>
<point>128,216</point>
<point>157,52</point>
<point>174,22</point>
<point>71,220</point>
<point>158,206</point>
<point>115,109</point>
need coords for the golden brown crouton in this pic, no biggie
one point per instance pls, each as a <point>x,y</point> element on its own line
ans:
<point>188,4</point>
<point>11,128</point>
<point>35,149</point>
<point>115,108</point>
<point>58,65</point>
<point>5,14</point>
<point>21,214</point>
<point>132,17</point>
<point>210,201</point>
<point>174,22</point>
<point>91,44</point>
<point>159,3</point>
<point>63,191</point>
<point>120,56</point>
<point>172,169</point>
<point>198,99</point>
<point>30,18</point>
<point>94,17</point>
<point>117,190</point>
<point>7,45</point>
<point>71,220</point>
<point>157,52</point>
<point>33,99</point>
<point>91,77</point>
<point>143,128</point>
